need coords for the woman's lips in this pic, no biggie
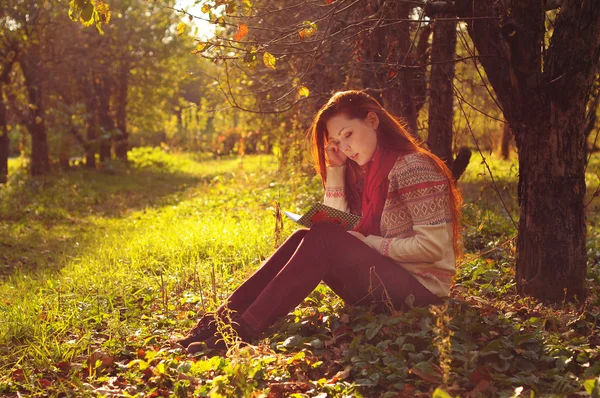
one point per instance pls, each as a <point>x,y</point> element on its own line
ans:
<point>353,157</point>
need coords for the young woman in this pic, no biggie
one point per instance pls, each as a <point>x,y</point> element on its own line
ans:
<point>402,252</point>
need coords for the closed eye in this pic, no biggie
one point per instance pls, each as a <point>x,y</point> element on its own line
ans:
<point>348,134</point>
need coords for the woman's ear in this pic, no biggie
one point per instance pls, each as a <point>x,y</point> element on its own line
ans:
<point>373,119</point>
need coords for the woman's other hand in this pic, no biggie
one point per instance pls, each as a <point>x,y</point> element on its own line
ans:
<point>358,235</point>
<point>335,156</point>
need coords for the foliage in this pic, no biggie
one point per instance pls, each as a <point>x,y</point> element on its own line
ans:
<point>157,160</point>
<point>104,270</point>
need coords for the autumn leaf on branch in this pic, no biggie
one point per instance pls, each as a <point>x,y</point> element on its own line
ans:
<point>90,12</point>
<point>241,32</point>
<point>303,91</point>
<point>181,28</point>
<point>269,60</point>
<point>310,28</point>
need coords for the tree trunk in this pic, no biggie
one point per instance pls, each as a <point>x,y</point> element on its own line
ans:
<point>121,141</point>
<point>505,145</point>
<point>551,262</point>
<point>400,91</point>
<point>546,112</point>
<point>443,49</point>
<point>92,137</point>
<point>103,90</point>
<point>374,50</point>
<point>32,74</point>
<point>88,88</point>
<point>4,141</point>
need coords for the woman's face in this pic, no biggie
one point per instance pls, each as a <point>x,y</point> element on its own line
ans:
<point>357,138</point>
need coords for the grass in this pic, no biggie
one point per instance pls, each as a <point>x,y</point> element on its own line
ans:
<point>99,269</point>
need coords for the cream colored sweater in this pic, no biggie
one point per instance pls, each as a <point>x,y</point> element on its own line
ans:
<point>416,223</point>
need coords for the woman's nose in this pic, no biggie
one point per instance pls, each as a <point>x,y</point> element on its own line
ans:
<point>345,147</point>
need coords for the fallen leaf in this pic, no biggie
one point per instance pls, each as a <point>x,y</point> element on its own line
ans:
<point>341,375</point>
<point>45,382</point>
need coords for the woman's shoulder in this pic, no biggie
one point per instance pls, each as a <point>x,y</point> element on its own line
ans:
<point>413,168</point>
<point>414,161</point>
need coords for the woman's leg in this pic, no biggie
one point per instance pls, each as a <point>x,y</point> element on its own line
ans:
<point>247,292</point>
<point>329,253</point>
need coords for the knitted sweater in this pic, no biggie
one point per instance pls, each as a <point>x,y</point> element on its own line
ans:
<point>416,223</point>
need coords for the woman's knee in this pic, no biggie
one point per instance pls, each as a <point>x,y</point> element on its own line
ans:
<point>299,233</point>
<point>327,230</point>
<point>327,235</point>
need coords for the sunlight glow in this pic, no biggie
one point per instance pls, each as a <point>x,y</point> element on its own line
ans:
<point>205,29</point>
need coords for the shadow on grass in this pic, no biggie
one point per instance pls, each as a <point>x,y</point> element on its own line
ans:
<point>45,220</point>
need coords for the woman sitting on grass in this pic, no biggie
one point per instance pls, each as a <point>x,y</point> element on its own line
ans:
<point>402,252</point>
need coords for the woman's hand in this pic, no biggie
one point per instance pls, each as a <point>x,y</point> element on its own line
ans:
<point>335,156</point>
<point>358,235</point>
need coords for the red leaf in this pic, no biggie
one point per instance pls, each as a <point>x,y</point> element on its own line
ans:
<point>17,375</point>
<point>242,31</point>
<point>45,382</point>
<point>64,366</point>
<point>480,374</point>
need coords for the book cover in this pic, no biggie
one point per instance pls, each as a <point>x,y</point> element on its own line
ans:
<point>323,214</point>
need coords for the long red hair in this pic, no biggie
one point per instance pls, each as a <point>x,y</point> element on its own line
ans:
<point>391,134</point>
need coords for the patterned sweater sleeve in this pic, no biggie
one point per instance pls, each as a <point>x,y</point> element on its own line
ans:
<point>424,190</point>
<point>334,188</point>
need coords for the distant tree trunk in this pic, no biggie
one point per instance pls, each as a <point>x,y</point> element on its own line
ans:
<point>388,51</point>
<point>4,141</point>
<point>32,73</point>
<point>505,146</point>
<point>546,112</point>
<point>441,100</point>
<point>103,91</point>
<point>87,86</point>
<point>92,139</point>
<point>121,141</point>
<point>399,96</point>
<point>374,51</point>
<point>441,112</point>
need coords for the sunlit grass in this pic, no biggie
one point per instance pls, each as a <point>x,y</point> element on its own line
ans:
<point>114,270</point>
<point>100,262</point>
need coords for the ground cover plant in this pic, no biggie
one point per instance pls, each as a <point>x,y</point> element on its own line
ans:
<point>99,270</point>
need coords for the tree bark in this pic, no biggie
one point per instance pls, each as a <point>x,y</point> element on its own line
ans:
<point>87,86</point>
<point>103,91</point>
<point>505,145</point>
<point>374,52</point>
<point>121,141</point>
<point>4,141</point>
<point>399,94</point>
<point>443,49</point>
<point>546,112</point>
<point>32,74</point>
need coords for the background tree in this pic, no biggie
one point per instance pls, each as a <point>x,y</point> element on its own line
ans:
<point>543,91</point>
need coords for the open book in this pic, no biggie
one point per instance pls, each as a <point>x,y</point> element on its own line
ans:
<point>323,214</point>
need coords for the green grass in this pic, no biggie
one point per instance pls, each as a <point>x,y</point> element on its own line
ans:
<point>100,269</point>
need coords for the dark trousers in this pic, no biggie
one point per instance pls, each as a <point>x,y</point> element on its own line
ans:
<point>356,272</point>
